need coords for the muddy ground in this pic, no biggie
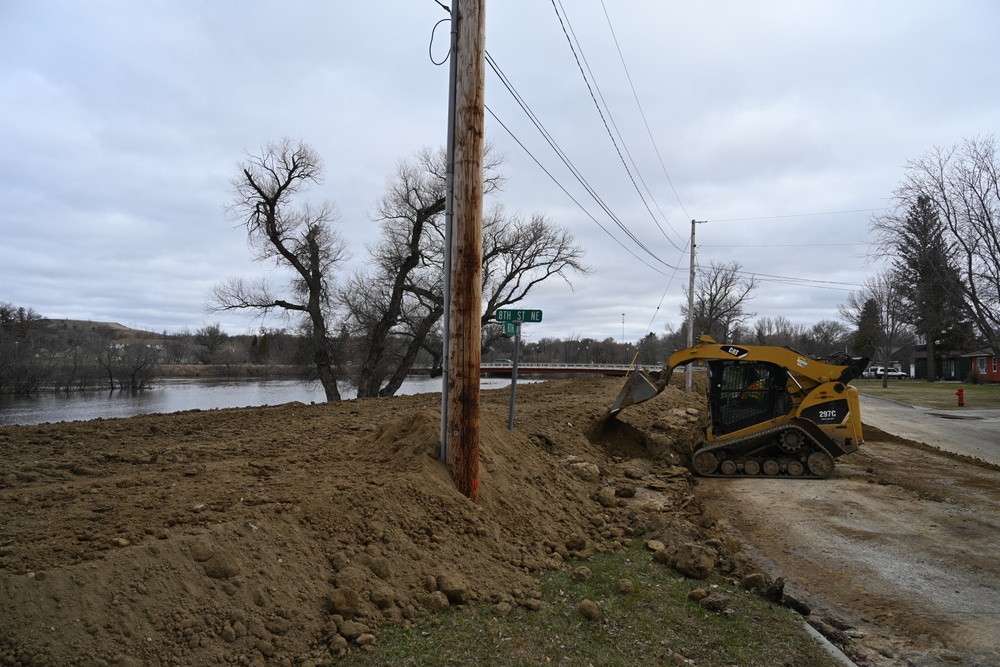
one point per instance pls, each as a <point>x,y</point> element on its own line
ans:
<point>288,535</point>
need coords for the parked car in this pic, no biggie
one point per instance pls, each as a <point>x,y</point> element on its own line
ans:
<point>879,371</point>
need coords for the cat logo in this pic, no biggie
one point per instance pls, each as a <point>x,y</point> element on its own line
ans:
<point>737,352</point>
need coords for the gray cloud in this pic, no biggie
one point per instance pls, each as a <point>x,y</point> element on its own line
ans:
<point>122,124</point>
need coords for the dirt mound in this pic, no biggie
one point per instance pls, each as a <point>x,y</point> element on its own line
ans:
<point>285,535</point>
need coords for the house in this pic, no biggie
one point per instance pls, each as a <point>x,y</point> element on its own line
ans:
<point>984,363</point>
<point>947,365</point>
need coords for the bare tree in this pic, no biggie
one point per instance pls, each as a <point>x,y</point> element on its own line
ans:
<point>129,365</point>
<point>210,337</point>
<point>520,254</point>
<point>879,312</point>
<point>396,306</point>
<point>720,297</point>
<point>20,367</point>
<point>777,331</point>
<point>297,238</point>
<point>963,184</point>
<point>825,337</point>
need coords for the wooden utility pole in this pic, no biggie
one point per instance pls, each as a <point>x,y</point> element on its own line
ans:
<point>465,326</point>
<point>690,341</point>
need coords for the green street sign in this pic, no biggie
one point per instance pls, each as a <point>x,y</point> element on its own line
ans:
<point>511,328</point>
<point>518,316</point>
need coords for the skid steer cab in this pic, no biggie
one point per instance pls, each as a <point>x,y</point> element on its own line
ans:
<point>774,412</point>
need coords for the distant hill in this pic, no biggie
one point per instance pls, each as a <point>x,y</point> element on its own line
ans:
<point>64,326</point>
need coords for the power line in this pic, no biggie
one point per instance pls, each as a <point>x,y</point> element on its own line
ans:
<point>564,23</point>
<point>572,198</point>
<point>800,215</point>
<point>812,283</point>
<point>565,159</point>
<point>642,113</point>
<point>780,245</point>
<point>795,281</point>
<point>569,165</point>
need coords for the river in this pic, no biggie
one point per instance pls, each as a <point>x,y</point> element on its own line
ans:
<point>175,395</point>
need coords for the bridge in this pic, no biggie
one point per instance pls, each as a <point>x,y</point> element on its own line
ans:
<point>504,369</point>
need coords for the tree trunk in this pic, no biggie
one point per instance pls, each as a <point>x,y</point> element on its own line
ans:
<point>931,361</point>
<point>416,344</point>
<point>324,368</point>
<point>368,379</point>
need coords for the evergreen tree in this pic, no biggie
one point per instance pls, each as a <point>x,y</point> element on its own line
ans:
<point>928,282</point>
<point>869,334</point>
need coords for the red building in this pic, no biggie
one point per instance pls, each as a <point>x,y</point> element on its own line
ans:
<point>984,363</point>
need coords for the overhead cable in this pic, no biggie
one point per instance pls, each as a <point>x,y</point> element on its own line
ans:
<point>642,113</point>
<point>567,30</point>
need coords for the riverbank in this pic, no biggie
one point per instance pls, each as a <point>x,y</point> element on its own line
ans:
<point>232,371</point>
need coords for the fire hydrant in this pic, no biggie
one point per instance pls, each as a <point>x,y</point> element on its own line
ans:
<point>961,397</point>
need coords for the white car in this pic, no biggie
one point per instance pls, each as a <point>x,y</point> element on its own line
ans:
<point>879,371</point>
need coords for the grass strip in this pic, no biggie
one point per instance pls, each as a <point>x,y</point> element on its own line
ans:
<point>650,621</point>
<point>935,395</point>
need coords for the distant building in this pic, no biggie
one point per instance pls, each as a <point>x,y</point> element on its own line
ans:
<point>984,363</point>
<point>947,365</point>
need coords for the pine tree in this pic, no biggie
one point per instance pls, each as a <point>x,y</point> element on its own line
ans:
<point>869,334</point>
<point>929,282</point>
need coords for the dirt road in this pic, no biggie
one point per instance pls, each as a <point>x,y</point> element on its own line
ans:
<point>902,542</point>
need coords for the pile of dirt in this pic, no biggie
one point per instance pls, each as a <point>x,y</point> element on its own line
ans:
<point>286,535</point>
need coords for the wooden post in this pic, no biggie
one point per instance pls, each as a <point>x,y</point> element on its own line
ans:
<point>467,251</point>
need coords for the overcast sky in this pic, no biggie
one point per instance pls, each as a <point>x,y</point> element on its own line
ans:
<point>784,124</point>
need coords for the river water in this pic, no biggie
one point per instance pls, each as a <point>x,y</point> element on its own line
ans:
<point>175,395</point>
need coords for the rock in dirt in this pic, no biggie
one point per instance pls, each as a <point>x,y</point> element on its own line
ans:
<point>454,587</point>
<point>351,630</point>
<point>344,601</point>
<point>588,609</point>
<point>625,586</point>
<point>695,561</point>
<point>697,594</point>
<point>775,591</point>
<point>436,601</point>
<point>714,602</point>
<point>625,490</point>
<point>222,566</point>
<point>755,582</point>
<point>828,631</point>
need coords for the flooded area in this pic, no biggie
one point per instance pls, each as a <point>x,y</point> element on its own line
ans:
<point>176,395</point>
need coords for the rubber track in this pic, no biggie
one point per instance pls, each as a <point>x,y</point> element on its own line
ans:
<point>764,437</point>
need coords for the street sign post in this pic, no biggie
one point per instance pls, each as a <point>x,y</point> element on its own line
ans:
<point>512,321</point>
<point>508,315</point>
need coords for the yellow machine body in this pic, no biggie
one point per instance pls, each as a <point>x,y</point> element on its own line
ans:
<point>774,412</point>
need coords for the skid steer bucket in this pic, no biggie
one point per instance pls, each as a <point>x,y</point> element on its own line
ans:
<point>640,386</point>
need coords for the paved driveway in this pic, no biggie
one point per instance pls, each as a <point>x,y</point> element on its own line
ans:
<point>973,433</point>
